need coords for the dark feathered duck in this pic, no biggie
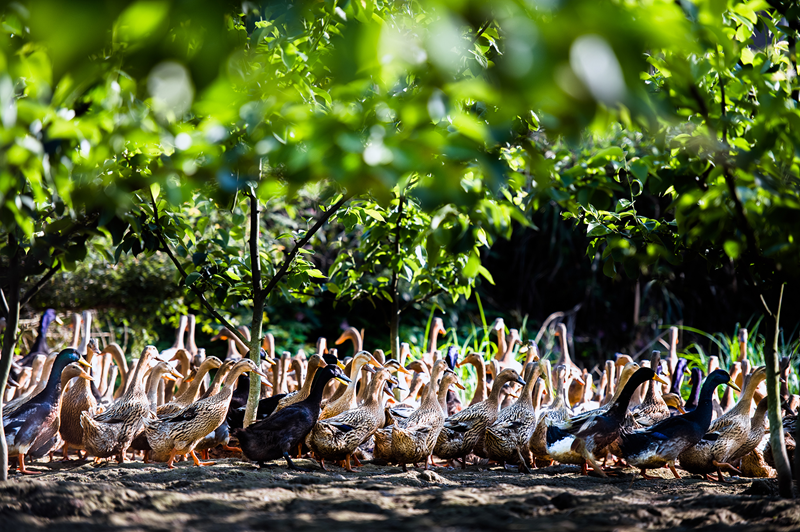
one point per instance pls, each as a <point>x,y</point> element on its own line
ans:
<point>273,437</point>
<point>662,443</point>
<point>36,421</point>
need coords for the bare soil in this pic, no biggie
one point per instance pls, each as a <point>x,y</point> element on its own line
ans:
<point>234,495</point>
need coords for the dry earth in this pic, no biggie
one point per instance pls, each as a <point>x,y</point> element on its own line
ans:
<point>234,495</point>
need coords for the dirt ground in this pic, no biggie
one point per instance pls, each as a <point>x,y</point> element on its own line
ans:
<point>234,495</point>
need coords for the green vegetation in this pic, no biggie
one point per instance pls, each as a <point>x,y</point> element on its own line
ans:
<point>404,139</point>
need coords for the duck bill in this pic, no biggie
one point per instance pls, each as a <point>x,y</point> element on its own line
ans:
<point>374,362</point>
<point>733,385</point>
<point>401,369</point>
<point>83,363</point>
<point>169,377</point>
<point>521,381</point>
<point>176,374</point>
<point>85,376</point>
<point>261,374</point>
<point>459,385</point>
<point>369,369</point>
<point>344,380</point>
<point>680,409</point>
<point>662,380</point>
<point>269,360</point>
<point>341,365</point>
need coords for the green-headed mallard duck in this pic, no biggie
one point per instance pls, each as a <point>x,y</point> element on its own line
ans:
<point>661,444</point>
<point>179,433</point>
<point>337,437</point>
<point>37,420</point>
<point>507,438</point>
<point>716,450</point>
<point>464,432</point>
<point>111,432</point>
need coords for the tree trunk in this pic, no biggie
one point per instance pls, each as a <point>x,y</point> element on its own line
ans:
<point>776,440</point>
<point>258,314</point>
<point>9,339</point>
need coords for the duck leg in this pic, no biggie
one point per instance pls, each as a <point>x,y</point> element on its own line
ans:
<point>229,448</point>
<point>523,466</point>
<point>171,459</point>
<point>121,457</point>
<point>671,466</point>
<point>464,462</point>
<point>292,464</point>
<point>197,461</point>
<point>348,466</point>
<point>725,466</point>
<point>643,471</point>
<point>21,466</point>
<point>357,461</point>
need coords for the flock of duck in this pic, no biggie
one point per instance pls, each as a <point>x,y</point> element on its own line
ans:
<point>366,407</point>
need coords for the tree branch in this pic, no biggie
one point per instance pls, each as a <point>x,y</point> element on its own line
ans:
<point>303,241</point>
<point>4,307</point>
<point>38,286</point>
<point>422,300</point>
<point>197,292</point>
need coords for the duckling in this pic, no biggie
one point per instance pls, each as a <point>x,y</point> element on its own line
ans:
<point>593,437</point>
<point>507,438</point>
<point>36,421</point>
<point>464,432</point>
<point>337,437</point>
<point>662,443</point>
<point>275,436</point>
<point>111,432</point>
<point>725,436</point>
<point>179,433</point>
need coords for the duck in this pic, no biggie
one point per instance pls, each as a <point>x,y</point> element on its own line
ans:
<point>179,343</point>
<point>192,391</point>
<point>558,411</point>
<point>275,436</point>
<point>315,363</point>
<point>661,444</point>
<point>725,435</point>
<point>13,406</point>
<point>789,424</point>
<point>653,408</point>
<point>111,431</point>
<point>437,329</point>
<point>352,334</point>
<point>507,438</point>
<point>347,401</point>
<point>464,432</point>
<point>413,439</point>
<point>678,374</point>
<point>696,380</point>
<point>505,359</point>
<point>40,346</point>
<point>78,398</point>
<point>756,433</point>
<point>593,436</point>
<point>37,420</point>
<point>728,400</point>
<point>179,433</point>
<point>337,437</point>
<point>72,371</point>
<point>476,360</point>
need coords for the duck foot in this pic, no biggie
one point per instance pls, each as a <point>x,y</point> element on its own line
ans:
<point>644,474</point>
<point>724,466</point>
<point>348,466</point>
<point>227,447</point>
<point>21,466</point>
<point>671,466</point>
<point>357,461</point>
<point>197,461</point>
<point>292,464</point>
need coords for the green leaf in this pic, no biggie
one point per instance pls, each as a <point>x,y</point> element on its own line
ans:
<point>191,278</point>
<point>375,214</point>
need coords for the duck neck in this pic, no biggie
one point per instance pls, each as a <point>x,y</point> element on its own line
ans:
<point>494,394</point>
<point>432,398</point>
<point>190,394</point>
<point>122,365</point>
<point>620,406</point>
<point>313,367</point>
<point>757,423</point>
<point>702,413</point>
<point>694,395</point>
<point>526,395</point>
<point>40,344</point>
<point>152,386</point>
<point>564,359</point>
<point>137,380</point>
<point>746,397</point>
<point>480,387</point>
<point>677,377</point>
<point>53,388</point>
